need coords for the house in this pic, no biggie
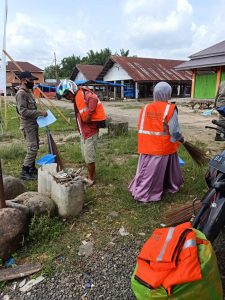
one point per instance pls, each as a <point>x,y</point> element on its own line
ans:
<point>208,70</point>
<point>12,69</point>
<point>140,75</point>
<point>85,72</point>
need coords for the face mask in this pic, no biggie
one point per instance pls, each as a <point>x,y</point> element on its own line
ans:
<point>30,84</point>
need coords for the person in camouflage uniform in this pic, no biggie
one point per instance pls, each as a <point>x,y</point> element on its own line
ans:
<point>220,101</point>
<point>28,112</point>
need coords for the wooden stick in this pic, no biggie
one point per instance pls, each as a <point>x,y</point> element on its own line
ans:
<point>2,194</point>
<point>53,105</point>
<point>56,153</point>
<point>19,271</point>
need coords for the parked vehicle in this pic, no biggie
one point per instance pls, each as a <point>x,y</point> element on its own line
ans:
<point>211,217</point>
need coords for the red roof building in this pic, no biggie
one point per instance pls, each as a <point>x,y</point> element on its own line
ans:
<point>86,72</point>
<point>12,69</point>
<point>139,75</point>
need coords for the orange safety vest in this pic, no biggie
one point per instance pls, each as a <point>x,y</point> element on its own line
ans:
<point>98,115</point>
<point>153,132</point>
<point>169,257</point>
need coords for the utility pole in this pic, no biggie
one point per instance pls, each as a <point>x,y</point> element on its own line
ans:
<point>56,69</point>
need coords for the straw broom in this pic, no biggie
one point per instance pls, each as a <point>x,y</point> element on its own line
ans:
<point>197,154</point>
<point>182,213</point>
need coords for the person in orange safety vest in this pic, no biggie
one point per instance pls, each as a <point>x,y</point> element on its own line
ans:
<point>159,137</point>
<point>90,116</point>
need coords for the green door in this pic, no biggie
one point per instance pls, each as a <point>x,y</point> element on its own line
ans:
<point>205,86</point>
<point>222,76</point>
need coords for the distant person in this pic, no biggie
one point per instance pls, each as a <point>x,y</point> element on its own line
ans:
<point>159,137</point>
<point>220,101</point>
<point>28,112</point>
<point>90,116</point>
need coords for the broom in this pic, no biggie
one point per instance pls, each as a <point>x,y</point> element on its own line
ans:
<point>198,155</point>
<point>182,213</point>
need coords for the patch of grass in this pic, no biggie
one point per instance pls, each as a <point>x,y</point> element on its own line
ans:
<point>43,243</point>
<point>13,151</point>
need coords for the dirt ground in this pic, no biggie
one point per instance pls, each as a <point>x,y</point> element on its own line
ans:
<point>192,122</point>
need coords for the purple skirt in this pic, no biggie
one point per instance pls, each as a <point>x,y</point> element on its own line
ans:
<point>155,176</point>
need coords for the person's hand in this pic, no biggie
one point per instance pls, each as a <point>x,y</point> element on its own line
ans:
<point>43,113</point>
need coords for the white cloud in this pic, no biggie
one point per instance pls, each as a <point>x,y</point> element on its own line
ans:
<point>159,25</point>
<point>36,43</point>
<point>151,28</point>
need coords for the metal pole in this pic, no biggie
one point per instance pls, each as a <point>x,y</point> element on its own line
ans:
<point>2,194</point>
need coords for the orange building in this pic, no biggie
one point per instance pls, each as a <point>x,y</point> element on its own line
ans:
<point>12,81</point>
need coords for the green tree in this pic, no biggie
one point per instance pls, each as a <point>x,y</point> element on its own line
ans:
<point>124,52</point>
<point>51,72</point>
<point>97,58</point>
<point>67,64</point>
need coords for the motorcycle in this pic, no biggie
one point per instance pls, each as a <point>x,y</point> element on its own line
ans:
<point>210,219</point>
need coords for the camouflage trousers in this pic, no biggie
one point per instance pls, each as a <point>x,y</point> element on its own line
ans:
<point>31,137</point>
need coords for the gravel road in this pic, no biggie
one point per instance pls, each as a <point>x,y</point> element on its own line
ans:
<point>104,275</point>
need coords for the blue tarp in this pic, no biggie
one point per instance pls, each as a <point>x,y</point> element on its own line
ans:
<point>46,88</point>
<point>90,82</point>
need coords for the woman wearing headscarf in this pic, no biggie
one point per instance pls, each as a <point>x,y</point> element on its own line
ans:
<point>159,137</point>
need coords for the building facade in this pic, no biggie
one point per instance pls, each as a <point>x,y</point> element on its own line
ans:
<point>12,81</point>
<point>138,76</point>
<point>208,70</point>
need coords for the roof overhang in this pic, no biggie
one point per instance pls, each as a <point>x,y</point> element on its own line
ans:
<point>212,61</point>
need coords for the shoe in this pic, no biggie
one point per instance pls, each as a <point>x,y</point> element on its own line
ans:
<point>25,174</point>
<point>219,138</point>
<point>33,172</point>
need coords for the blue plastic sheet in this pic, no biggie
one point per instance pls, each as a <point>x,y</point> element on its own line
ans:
<point>207,113</point>
<point>181,162</point>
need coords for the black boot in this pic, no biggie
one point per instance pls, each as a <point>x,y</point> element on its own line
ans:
<point>33,170</point>
<point>25,174</point>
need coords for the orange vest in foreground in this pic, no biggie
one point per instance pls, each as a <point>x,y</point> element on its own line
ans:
<point>169,257</point>
<point>98,115</point>
<point>153,132</point>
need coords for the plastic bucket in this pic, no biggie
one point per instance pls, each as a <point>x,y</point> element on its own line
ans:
<point>46,159</point>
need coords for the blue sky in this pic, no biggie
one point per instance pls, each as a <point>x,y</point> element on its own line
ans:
<point>148,28</point>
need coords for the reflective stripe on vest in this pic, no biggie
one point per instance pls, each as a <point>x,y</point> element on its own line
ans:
<point>158,133</point>
<point>168,238</point>
<point>189,243</point>
<point>83,110</point>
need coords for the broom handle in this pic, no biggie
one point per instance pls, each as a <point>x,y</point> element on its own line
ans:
<point>49,140</point>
